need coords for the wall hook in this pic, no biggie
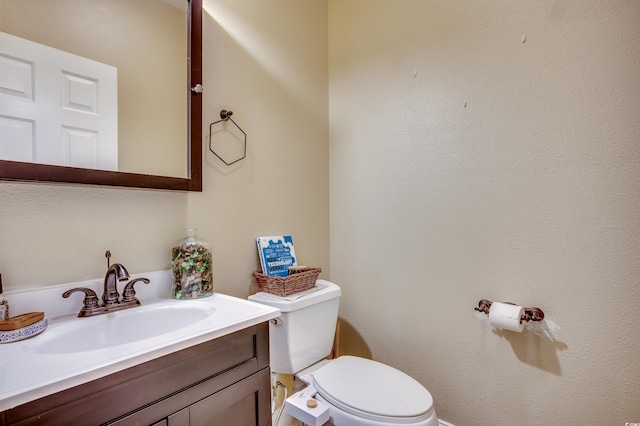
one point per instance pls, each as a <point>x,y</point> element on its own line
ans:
<point>226,116</point>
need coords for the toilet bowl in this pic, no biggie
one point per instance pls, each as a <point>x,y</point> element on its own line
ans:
<point>358,391</point>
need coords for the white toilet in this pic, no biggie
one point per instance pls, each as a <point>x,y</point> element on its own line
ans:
<point>358,391</point>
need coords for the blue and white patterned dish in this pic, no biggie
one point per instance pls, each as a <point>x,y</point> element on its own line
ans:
<point>24,332</point>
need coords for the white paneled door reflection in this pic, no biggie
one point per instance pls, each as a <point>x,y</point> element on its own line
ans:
<point>56,107</point>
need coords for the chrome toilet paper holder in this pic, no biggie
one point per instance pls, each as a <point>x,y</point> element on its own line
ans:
<point>530,314</point>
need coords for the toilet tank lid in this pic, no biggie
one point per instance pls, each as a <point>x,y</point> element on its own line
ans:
<point>323,291</point>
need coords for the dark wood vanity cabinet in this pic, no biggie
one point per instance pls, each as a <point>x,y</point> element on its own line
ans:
<point>225,381</point>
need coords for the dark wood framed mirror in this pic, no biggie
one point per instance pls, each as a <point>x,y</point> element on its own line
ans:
<point>34,172</point>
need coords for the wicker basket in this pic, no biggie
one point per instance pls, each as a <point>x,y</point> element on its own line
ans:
<point>284,286</point>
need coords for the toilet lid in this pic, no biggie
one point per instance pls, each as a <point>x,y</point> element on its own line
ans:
<point>372,390</point>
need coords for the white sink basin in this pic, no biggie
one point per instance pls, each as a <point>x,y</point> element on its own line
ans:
<point>73,351</point>
<point>119,328</point>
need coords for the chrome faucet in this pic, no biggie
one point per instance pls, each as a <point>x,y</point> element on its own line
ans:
<point>111,301</point>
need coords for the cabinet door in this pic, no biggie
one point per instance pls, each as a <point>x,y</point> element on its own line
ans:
<point>235,405</point>
<point>181,418</point>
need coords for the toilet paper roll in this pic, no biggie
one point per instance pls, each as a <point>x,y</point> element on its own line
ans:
<point>506,316</point>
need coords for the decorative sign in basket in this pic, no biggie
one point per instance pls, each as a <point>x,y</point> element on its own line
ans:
<point>285,286</point>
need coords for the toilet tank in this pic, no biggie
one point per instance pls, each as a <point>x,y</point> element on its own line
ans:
<point>304,332</point>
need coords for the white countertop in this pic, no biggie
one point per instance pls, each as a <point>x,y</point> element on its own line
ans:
<point>26,376</point>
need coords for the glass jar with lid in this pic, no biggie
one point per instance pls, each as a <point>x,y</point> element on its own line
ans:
<point>191,267</point>
<point>4,304</point>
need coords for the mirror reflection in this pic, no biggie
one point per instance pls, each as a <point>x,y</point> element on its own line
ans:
<point>144,42</point>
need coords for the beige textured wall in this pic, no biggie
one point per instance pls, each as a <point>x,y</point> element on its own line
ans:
<point>53,234</point>
<point>267,63</point>
<point>528,194</point>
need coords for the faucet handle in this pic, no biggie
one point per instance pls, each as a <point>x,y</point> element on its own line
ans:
<point>89,303</point>
<point>129,294</point>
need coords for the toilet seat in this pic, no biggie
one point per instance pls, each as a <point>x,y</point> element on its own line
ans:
<point>373,391</point>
